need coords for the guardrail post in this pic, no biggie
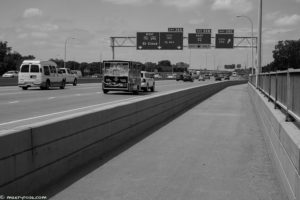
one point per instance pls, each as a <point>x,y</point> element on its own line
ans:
<point>276,91</point>
<point>288,98</point>
<point>269,97</point>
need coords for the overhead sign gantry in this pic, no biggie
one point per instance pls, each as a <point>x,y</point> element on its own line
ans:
<point>171,40</point>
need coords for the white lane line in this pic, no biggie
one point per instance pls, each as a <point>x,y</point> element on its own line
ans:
<point>51,98</point>
<point>77,95</point>
<point>66,111</point>
<point>11,102</point>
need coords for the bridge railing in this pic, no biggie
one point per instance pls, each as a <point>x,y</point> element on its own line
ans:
<point>283,88</point>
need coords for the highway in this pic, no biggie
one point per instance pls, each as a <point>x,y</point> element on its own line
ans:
<point>20,108</point>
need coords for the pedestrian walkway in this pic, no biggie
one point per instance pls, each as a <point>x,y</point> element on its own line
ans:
<point>215,151</point>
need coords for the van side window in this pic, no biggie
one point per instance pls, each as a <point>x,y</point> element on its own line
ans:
<point>53,69</point>
<point>34,69</point>
<point>25,68</point>
<point>46,70</point>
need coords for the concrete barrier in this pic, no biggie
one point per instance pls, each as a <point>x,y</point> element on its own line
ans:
<point>283,141</point>
<point>34,157</point>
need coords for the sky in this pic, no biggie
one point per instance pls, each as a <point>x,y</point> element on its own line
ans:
<point>42,27</point>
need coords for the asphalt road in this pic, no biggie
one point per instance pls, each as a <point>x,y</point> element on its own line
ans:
<point>19,107</point>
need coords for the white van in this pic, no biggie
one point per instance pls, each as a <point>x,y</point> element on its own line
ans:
<point>147,81</point>
<point>43,74</point>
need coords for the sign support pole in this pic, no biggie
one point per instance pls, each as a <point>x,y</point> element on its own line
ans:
<point>258,70</point>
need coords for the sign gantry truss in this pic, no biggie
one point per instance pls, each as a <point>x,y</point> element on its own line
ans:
<point>239,42</point>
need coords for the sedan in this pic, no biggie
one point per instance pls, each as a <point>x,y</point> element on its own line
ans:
<point>10,74</point>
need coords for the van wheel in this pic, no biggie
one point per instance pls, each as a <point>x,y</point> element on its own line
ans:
<point>75,82</point>
<point>63,84</point>
<point>24,88</point>
<point>47,85</point>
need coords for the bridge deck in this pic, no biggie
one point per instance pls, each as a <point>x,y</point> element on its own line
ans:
<point>214,151</point>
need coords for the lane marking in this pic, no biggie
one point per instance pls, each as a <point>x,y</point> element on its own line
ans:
<point>66,111</point>
<point>11,102</point>
<point>51,98</point>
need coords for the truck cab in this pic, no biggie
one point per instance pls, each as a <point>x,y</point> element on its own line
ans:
<point>71,78</point>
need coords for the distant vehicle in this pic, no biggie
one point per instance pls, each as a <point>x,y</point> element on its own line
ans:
<point>179,77</point>
<point>218,77</point>
<point>188,77</point>
<point>10,74</point>
<point>226,77</point>
<point>206,76</point>
<point>71,78</point>
<point>119,75</point>
<point>147,81</point>
<point>77,73</point>
<point>234,74</point>
<point>43,74</point>
<point>201,78</point>
<point>157,76</point>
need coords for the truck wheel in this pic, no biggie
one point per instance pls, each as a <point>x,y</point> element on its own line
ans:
<point>75,82</point>
<point>25,88</point>
<point>152,88</point>
<point>47,85</point>
<point>63,85</point>
<point>105,91</point>
<point>136,92</point>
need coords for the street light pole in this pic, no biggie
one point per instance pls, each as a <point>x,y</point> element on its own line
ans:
<point>251,39</point>
<point>259,41</point>
<point>69,38</point>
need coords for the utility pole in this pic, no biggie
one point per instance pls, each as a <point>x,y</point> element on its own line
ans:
<point>259,56</point>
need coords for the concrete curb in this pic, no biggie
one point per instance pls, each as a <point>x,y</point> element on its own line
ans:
<point>283,141</point>
<point>33,157</point>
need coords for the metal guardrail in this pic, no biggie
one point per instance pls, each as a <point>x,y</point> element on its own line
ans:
<point>283,88</point>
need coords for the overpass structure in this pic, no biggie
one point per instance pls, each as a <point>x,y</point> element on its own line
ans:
<point>197,162</point>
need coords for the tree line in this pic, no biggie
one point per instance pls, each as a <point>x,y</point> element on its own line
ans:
<point>286,55</point>
<point>11,60</point>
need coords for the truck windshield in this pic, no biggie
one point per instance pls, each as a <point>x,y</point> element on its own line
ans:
<point>116,68</point>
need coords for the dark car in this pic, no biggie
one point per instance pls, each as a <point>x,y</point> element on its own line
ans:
<point>179,77</point>
<point>188,78</point>
<point>226,77</point>
<point>218,78</point>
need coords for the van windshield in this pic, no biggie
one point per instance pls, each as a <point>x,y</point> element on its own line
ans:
<point>25,68</point>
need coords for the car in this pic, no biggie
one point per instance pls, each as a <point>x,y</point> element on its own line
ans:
<point>147,81</point>
<point>10,74</point>
<point>226,77</point>
<point>218,78</point>
<point>201,78</point>
<point>188,77</point>
<point>206,76</point>
<point>157,76</point>
<point>179,77</point>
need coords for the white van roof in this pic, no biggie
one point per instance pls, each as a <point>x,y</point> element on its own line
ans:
<point>38,62</point>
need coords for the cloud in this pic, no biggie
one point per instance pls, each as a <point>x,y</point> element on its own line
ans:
<point>39,35</point>
<point>288,20</point>
<point>182,4</point>
<point>196,21</point>
<point>43,27</point>
<point>32,12</point>
<point>237,6</point>
<point>129,2</point>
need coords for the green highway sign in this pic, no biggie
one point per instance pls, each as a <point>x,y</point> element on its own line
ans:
<point>200,39</point>
<point>171,40</point>
<point>225,39</point>
<point>175,29</point>
<point>159,41</point>
<point>147,40</point>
